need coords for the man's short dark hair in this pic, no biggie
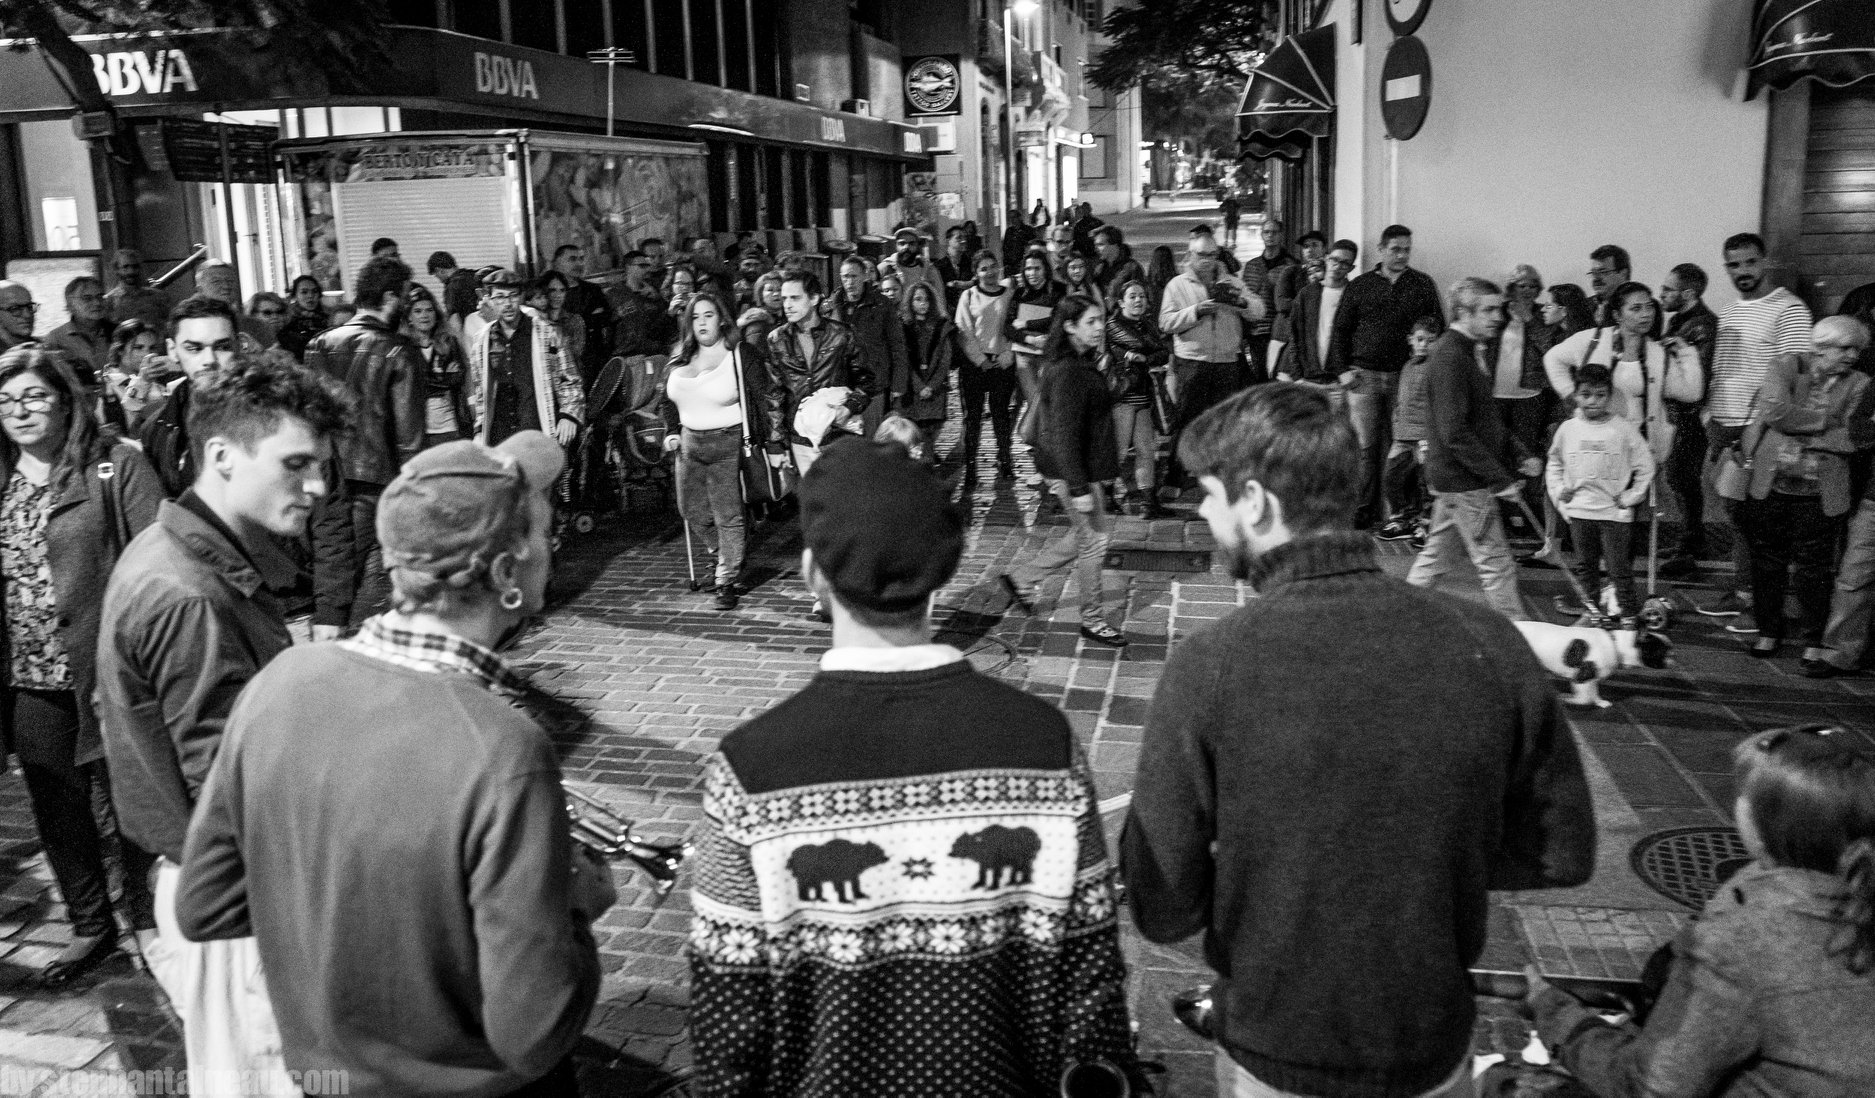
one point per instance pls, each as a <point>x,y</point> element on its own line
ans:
<point>1745,240</point>
<point>651,240</point>
<point>1429,324</point>
<point>1614,255</point>
<point>565,248</point>
<point>1200,227</point>
<point>989,255</point>
<point>382,243</point>
<point>247,402</point>
<point>198,307</point>
<point>1394,232</point>
<point>1345,245</point>
<point>632,257</point>
<point>1593,375</point>
<point>379,276</point>
<point>1111,232</point>
<point>808,280</point>
<point>1692,277</point>
<point>1291,440</point>
<point>1313,234</point>
<point>440,261</point>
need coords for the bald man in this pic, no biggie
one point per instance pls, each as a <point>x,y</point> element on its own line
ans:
<point>133,298</point>
<point>16,314</point>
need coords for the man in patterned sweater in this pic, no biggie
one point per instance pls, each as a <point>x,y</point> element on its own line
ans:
<point>902,883</point>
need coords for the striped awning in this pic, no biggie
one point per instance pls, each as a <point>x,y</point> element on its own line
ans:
<point>1289,101</point>
<point>1830,41</point>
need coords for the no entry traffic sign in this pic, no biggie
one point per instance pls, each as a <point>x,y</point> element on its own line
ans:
<point>1405,87</point>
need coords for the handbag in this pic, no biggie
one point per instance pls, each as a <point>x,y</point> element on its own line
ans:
<point>761,481</point>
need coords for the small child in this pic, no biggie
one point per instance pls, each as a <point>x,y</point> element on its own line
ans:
<point>904,432</point>
<point>1599,471</point>
<point>1404,470</point>
<point>1772,989</point>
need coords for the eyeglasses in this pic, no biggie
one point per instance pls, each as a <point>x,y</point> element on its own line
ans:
<point>499,297</point>
<point>26,309</point>
<point>1601,272</point>
<point>37,401</point>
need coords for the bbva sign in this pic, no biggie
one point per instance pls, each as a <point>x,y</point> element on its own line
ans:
<point>497,75</point>
<point>151,72</point>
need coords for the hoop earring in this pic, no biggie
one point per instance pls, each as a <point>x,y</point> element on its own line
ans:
<point>511,599</point>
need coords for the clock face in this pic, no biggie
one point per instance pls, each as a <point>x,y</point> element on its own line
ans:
<point>1405,16</point>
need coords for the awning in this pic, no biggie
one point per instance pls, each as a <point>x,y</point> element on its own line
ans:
<point>1830,41</point>
<point>1289,100</point>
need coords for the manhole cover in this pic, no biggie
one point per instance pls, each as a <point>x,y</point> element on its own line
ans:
<point>1688,864</point>
<point>1158,560</point>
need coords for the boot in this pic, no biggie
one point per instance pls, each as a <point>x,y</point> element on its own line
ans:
<point>1005,463</point>
<point>967,450</point>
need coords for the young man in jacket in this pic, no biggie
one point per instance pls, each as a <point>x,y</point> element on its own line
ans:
<point>1681,294</point>
<point>1316,353</point>
<point>1271,808</point>
<point>202,339</point>
<point>1472,460</point>
<point>520,378</point>
<point>382,371</point>
<point>807,354</point>
<point>424,924</point>
<point>188,620</point>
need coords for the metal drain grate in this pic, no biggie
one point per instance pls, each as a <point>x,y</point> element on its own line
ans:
<point>1688,864</point>
<point>1157,560</point>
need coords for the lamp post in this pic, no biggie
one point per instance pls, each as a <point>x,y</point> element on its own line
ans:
<point>1012,198</point>
<point>611,57</point>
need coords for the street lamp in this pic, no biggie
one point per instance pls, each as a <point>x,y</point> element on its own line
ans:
<point>1024,9</point>
<point>611,57</point>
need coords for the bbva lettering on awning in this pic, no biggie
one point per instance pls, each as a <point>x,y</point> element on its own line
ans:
<point>152,72</point>
<point>497,75</point>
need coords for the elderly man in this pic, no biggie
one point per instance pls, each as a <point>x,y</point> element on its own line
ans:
<point>218,279</point>
<point>85,339</point>
<point>1845,637</point>
<point>133,298</point>
<point>17,311</point>
<point>1205,311</point>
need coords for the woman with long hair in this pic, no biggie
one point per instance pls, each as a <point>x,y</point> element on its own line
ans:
<point>136,373</point>
<point>936,351</point>
<point>572,327</point>
<point>1565,309</point>
<point>1648,372</point>
<point>306,316</point>
<point>446,415</point>
<point>1077,454</point>
<point>1770,991</point>
<point>1161,269</point>
<point>72,495</point>
<point>1137,350</point>
<point>1076,276</point>
<point>706,384</point>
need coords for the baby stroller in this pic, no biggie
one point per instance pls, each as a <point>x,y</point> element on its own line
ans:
<point>620,453</point>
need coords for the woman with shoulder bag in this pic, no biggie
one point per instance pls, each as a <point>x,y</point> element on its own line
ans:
<point>446,415</point>
<point>935,350</point>
<point>73,497</point>
<point>706,406</point>
<point>1647,371</point>
<point>1139,351</point>
<point>1077,454</point>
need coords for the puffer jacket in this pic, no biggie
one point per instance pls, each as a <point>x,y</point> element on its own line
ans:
<point>1136,347</point>
<point>791,377</point>
<point>381,368</point>
<point>1078,443</point>
<point>82,551</point>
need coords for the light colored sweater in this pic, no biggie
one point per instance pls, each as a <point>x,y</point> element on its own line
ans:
<point>1607,463</point>
<point>980,319</point>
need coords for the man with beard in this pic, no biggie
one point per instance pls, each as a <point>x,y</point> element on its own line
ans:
<point>911,266</point>
<point>1268,803</point>
<point>878,337</point>
<point>380,368</point>
<point>588,302</point>
<point>1766,321</point>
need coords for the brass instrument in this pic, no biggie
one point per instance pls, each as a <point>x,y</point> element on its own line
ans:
<point>609,835</point>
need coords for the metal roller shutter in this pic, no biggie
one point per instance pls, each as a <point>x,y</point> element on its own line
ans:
<point>472,219</point>
<point>1839,195</point>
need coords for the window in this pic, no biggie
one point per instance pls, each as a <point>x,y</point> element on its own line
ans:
<point>773,76</point>
<point>630,30</point>
<point>585,26</point>
<point>741,72</point>
<point>667,31</point>
<point>481,18</point>
<point>415,13</point>
<point>535,24</point>
<point>705,35</point>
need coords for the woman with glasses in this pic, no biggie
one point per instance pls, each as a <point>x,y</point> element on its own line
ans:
<point>445,405</point>
<point>72,495</point>
<point>1771,990</point>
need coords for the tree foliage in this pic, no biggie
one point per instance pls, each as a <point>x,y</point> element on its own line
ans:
<point>338,39</point>
<point>1189,58</point>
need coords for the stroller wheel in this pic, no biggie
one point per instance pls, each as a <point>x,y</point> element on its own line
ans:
<point>583,523</point>
<point>1657,614</point>
<point>695,586</point>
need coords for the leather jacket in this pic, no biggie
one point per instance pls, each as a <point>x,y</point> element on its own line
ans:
<point>381,369</point>
<point>791,377</point>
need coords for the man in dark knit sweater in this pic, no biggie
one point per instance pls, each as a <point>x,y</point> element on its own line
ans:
<point>390,826</point>
<point>1334,776</point>
<point>902,885</point>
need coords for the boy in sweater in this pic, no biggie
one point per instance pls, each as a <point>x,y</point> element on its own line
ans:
<point>1405,466</point>
<point>1599,471</point>
<point>902,885</point>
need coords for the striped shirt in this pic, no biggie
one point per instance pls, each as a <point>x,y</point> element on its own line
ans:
<point>1751,333</point>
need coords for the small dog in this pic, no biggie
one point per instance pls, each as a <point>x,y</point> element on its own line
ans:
<point>1586,656</point>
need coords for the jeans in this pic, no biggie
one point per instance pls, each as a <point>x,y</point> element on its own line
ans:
<point>1846,635</point>
<point>980,387</point>
<point>1371,400</point>
<point>1084,546</point>
<point>1234,1082</point>
<point>1789,533</point>
<point>1404,481</point>
<point>1721,438</point>
<point>709,481</point>
<point>1198,385</point>
<point>1470,522</point>
<point>1685,476</point>
<point>1132,425</point>
<point>45,730</point>
<point>1600,543</point>
<point>349,580</point>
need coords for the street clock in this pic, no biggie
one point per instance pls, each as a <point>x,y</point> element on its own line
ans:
<point>1405,16</point>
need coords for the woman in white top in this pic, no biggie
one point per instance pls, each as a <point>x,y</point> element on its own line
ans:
<point>1648,372</point>
<point>705,385</point>
<point>445,409</point>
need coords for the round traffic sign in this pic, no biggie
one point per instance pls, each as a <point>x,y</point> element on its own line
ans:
<point>1405,87</point>
<point>1405,16</point>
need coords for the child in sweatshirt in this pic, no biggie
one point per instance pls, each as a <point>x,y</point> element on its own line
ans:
<point>1599,471</point>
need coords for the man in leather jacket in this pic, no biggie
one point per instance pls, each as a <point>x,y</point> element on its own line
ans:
<point>202,337</point>
<point>878,337</point>
<point>382,370</point>
<point>805,355</point>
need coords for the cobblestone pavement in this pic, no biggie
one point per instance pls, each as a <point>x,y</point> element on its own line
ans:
<point>638,679</point>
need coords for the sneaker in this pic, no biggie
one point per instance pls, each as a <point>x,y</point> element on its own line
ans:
<point>1395,530</point>
<point>1018,595</point>
<point>1568,607</point>
<point>1102,633</point>
<point>819,613</point>
<point>1729,605</point>
<point>725,598</point>
<point>1417,541</point>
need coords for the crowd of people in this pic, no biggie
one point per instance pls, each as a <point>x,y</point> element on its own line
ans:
<point>354,855</point>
